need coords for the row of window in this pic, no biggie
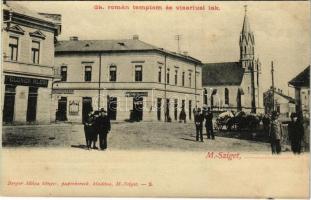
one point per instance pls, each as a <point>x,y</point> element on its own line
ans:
<point>175,77</point>
<point>138,74</point>
<point>112,73</point>
<point>13,50</point>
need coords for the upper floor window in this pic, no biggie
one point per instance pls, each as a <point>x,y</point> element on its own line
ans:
<point>88,73</point>
<point>113,73</point>
<point>183,79</point>
<point>190,79</point>
<point>35,52</point>
<point>63,73</point>
<point>160,75</point>
<point>138,72</point>
<point>227,96</point>
<point>176,77</point>
<point>168,76</point>
<point>13,46</point>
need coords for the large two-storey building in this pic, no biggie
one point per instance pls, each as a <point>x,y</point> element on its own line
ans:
<point>28,58</point>
<point>129,78</point>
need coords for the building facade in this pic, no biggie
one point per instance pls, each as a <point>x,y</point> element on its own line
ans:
<point>28,59</point>
<point>235,85</point>
<point>283,104</point>
<point>131,79</point>
<point>301,84</point>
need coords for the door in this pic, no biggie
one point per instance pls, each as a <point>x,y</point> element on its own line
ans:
<point>159,105</point>
<point>9,102</point>
<point>175,108</point>
<point>190,109</point>
<point>138,105</point>
<point>32,104</point>
<point>112,106</point>
<point>61,113</point>
<point>86,107</point>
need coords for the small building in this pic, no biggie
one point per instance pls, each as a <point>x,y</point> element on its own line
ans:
<point>283,104</point>
<point>235,85</point>
<point>301,83</point>
<point>28,61</point>
<point>132,79</point>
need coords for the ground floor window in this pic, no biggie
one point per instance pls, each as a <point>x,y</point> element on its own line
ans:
<point>190,109</point>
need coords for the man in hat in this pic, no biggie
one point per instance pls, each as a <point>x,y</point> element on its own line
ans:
<point>295,132</point>
<point>209,124</point>
<point>198,119</point>
<point>275,133</point>
<point>104,126</point>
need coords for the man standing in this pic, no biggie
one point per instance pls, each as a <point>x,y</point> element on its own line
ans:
<point>198,119</point>
<point>296,132</point>
<point>275,133</point>
<point>104,126</point>
<point>209,124</point>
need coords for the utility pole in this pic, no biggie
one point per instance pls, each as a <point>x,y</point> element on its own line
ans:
<point>178,38</point>
<point>272,76</point>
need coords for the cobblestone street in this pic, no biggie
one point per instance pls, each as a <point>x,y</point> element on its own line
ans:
<point>130,136</point>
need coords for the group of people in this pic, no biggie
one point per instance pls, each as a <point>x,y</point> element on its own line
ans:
<point>97,124</point>
<point>295,133</point>
<point>199,117</point>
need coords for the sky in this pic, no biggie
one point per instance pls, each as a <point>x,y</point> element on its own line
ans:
<point>281,30</point>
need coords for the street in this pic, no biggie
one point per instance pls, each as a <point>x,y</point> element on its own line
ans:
<point>132,136</point>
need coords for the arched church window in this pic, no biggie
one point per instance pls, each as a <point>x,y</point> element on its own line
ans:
<point>205,96</point>
<point>227,96</point>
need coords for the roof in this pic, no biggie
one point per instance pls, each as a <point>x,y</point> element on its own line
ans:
<point>124,45</point>
<point>17,8</point>
<point>290,99</point>
<point>302,79</point>
<point>228,73</point>
<point>246,27</point>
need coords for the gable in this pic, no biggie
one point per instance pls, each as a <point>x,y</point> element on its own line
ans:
<point>15,29</point>
<point>37,34</point>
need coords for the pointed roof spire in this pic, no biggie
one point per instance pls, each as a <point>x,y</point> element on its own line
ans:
<point>246,26</point>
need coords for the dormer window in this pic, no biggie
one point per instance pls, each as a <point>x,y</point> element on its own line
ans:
<point>121,43</point>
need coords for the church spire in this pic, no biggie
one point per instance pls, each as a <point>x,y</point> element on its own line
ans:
<point>247,41</point>
<point>246,26</point>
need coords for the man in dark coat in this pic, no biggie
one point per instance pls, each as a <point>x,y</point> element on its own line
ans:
<point>198,120</point>
<point>209,124</point>
<point>295,132</point>
<point>103,127</point>
<point>89,129</point>
<point>275,133</point>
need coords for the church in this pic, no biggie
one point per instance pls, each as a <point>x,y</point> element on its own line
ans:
<point>235,85</point>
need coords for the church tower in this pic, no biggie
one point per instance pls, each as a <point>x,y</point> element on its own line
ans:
<point>247,54</point>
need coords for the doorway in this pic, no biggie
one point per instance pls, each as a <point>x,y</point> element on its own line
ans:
<point>32,104</point>
<point>61,114</point>
<point>86,107</point>
<point>9,102</point>
<point>138,105</point>
<point>112,106</point>
<point>159,105</point>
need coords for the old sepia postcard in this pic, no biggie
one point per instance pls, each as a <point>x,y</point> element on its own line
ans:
<point>155,98</point>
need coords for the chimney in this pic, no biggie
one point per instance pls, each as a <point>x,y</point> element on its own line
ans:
<point>185,53</point>
<point>74,38</point>
<point>135,37</point>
